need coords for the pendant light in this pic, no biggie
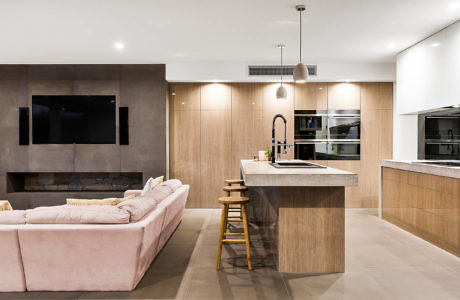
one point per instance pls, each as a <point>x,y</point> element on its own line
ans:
<point>300,71</point>
<point>281,92</point>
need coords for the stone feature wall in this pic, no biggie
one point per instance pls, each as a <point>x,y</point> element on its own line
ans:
<point>142,88</point>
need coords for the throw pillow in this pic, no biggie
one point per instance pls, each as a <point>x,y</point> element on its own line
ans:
<point>5,205</point>
<point>106,201</point>
<point>151,184</point>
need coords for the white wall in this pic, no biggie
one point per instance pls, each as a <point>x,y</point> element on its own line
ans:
<point>427,77</point>
<point>238,72</point>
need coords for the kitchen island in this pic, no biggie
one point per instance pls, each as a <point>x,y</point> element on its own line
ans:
<point>423,198</point>
<point>300,214</point>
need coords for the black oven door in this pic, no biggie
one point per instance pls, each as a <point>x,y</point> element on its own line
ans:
<point>310,124</point>
<point>344,150</point>
<point>344,127</point>
<point>310,150</point>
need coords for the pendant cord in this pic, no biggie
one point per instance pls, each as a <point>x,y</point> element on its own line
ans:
<point>281,65</point>
<point>300,13</point>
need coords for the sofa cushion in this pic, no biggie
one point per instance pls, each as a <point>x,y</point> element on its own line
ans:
<point>95,214</point>
<point>138,207</point>
<point>13,217</point>
<point>174,184</point>
<point>151,184</point>
<point>106,201</point>
<point>160,192</point>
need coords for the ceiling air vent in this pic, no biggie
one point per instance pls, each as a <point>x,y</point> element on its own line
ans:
<point>278,70</point>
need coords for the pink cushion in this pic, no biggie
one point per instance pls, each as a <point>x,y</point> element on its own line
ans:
<point>12,217</point>
<point>104,214</point>
<point>138,207</point>
<point>159,193</point>
<point>174,184</point>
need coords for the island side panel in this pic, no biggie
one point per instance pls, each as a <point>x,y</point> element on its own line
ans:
<point>263,217</point>
<point>311,229</point>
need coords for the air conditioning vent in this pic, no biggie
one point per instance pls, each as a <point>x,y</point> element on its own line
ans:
<point>278,70</point>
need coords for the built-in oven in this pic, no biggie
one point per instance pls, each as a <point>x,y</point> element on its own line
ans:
<point>310,149</point>
<point>343,149</point>
<point>327,134</point>
<point>344,124</point>
<point>310,124</point>
<point>439,135</point>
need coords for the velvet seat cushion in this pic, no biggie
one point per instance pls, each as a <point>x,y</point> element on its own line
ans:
<point>138,207</point>
<point>100,214</point>
<point>13,217</point>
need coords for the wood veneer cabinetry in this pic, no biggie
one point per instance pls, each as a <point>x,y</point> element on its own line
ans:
<point>423,204</point>
<point>376,136</point>
<point>215,125</point>
<point>185,138</point>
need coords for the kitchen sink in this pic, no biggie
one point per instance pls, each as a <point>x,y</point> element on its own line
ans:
<point>295,164</point>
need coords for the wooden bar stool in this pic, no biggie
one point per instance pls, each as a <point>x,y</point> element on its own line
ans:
<point>235,189</point>
<point>234,181</point>
<point>225,219</point>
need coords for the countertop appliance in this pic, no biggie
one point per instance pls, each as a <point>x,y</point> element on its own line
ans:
<point>327,134</point>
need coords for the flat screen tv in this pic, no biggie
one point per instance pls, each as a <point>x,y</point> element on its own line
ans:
<point>73,119</point>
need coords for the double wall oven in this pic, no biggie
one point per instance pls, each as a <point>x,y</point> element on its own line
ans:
<point>439,135</point>
<point>327,134</point>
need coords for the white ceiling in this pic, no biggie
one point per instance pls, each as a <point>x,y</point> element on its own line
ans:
<point>160,31</point>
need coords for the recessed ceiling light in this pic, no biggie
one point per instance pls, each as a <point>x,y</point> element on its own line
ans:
<point>454,5</point>
<point>119,46</point>
<point>391,45</point>
<point>435,45</point>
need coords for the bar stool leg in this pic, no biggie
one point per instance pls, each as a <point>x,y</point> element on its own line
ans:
<point>246,235</point>
<point>223,229</point>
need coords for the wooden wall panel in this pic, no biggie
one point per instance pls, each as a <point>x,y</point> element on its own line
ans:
<point>352,193</point>
<point>184,138</point>
<point>246,123</point>
<point>243,114</point>
<point>376,95</point>
<point>185,152</point>
<point>423,204</point>
<point>311,96</point>
<point>376,136</point>
<point>343,95</point>
<point>216,96</point>
<point>184,96</point>
<point>215,154</point>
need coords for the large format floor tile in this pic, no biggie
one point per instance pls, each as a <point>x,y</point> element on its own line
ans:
<point>382,262</point>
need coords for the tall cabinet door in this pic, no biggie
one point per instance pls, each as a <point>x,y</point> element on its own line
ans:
<point>376,136</point>
<point>246,123</point>
<point>310,96</point>
<point>343,95</point>
<point>215,141</point>
<point>184,138</point>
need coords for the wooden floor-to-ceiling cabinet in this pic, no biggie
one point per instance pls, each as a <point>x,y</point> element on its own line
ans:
<point>215,125</point>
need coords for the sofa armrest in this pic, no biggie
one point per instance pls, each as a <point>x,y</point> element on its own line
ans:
<point>133,192</point>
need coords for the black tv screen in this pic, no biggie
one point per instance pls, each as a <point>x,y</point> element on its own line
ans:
<point>73,119</point>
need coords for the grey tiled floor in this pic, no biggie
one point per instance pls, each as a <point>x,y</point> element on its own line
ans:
<point>382,262</point>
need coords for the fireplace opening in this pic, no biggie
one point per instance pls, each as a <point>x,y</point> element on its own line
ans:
<point>73,182</point>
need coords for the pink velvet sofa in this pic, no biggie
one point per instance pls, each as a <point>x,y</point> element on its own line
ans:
<point>50,256</point>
